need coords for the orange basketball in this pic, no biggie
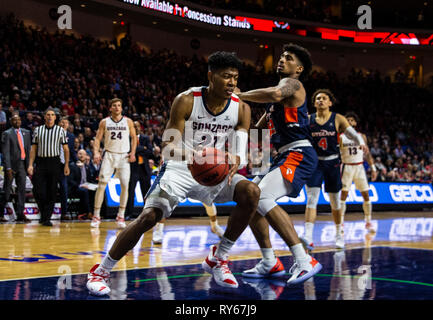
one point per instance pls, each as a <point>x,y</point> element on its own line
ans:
<point>210,167</point>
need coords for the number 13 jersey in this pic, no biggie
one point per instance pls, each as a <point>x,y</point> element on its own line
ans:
<point>116,135</point>
<point>351,153</point>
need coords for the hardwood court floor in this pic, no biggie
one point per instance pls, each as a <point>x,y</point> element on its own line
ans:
<point>35,256</point>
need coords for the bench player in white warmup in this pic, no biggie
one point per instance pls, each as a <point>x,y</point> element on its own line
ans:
<point>200,116</point>
<point>353,170</point>
<point>116,131</point>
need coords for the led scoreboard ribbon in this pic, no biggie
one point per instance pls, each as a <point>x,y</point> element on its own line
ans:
<point>274,26</point>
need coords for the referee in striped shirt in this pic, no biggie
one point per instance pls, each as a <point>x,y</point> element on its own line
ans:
<point>45,154</point>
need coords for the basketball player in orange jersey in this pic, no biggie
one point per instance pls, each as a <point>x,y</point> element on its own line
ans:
<point>116,131</point>
<point>286,114</point>
<point>353,170</point>
<point>190,114</point>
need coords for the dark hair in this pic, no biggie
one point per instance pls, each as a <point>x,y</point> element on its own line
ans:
<point>353,115</point>
<point>325,91</point>
<point>223,59</point>
<point>50,109</point>
<point>303,55</point>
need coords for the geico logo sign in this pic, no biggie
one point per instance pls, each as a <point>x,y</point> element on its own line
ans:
<point>411,193</point>
<point>402,228</point>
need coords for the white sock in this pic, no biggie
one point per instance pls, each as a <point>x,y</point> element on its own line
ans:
<point>338,229</point>
<point>309,228</point>
<point>366,206</point>
<point>298,252</point>
<point>121,212</point>
<point>223,249</point>
<point>268,256</point>
<point>107,263</point>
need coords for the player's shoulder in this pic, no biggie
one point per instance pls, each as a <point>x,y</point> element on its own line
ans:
<point>185,99</point>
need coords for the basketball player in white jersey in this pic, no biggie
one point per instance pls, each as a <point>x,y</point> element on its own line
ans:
<point>200,116</point>
<point>353,170</point>
<point>211,211</point>
<point>119,150</point>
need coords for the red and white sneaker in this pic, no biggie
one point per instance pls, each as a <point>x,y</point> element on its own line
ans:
<point>120,222</point>
<point>304,270</point>
<point>219,269</point>
<point>261,270</point>
<point>97,281</point>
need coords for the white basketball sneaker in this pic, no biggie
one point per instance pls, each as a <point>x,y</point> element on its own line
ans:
<point>217,230</point>
<point>120,222</point>
<point>219,269</point>
<point>97,281</point>
<point>303,270</point>
<point>95,222</point>
<point>158,233</point>
<point>339,241</point>
<point>261,270</point>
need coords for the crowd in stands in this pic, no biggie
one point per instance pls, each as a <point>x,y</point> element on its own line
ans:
<point>396,14</point>
<point>78,76</point>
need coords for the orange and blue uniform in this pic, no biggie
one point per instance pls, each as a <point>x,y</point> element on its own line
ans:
<point>325,139</point>
<point>290,135</point>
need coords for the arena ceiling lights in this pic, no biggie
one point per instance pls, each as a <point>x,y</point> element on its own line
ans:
<point>272,26</point>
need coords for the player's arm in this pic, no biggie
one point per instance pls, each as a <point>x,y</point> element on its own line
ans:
<point>286,88</point>
<point>240,158</point>
<point>343,126</point>
<point>97,143</point>
<point>171,146</point>
<point>133,135</point>
<point>369,159</point>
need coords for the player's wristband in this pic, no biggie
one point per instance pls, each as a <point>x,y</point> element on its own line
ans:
<point>373,167</point>
<point>241,147</point>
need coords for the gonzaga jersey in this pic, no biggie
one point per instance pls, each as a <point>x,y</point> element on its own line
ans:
<point>287,124</point>
<point>325,136</point>
<point>350,151</point>
<point>116,136</point>
<point>203,128</point>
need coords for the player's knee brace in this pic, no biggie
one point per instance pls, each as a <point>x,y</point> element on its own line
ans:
<point>266,203</point>
<point>312,197</point>
<point>334,199</point>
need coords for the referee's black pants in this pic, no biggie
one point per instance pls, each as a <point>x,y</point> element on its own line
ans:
<point>45,177</point>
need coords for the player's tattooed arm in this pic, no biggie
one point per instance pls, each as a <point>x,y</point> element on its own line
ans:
<point>286,88</point>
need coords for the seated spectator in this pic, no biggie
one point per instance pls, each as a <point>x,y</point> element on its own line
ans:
<point>83,175</point>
